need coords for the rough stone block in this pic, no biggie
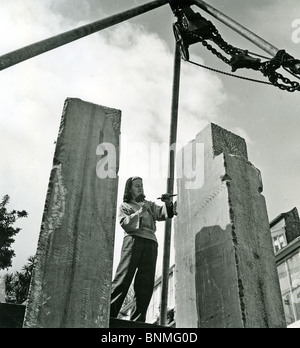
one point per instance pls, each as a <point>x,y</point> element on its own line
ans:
<point>226,274</point>
<point>72,275</point>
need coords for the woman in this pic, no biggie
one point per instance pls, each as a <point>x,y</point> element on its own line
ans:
<point>139,251</point>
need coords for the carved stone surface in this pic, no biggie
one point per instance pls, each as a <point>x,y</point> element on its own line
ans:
<point>72,275</point>
<point>226,274</point>
<point>224,141</point>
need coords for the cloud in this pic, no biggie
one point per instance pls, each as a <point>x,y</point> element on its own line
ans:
<point>124,67</point>
<point>279,20</point>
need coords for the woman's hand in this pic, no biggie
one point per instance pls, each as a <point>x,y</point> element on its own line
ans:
<point>166,198</point>
<point>145,206</point>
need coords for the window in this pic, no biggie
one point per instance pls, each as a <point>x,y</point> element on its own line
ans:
<point>153,309</point>
<point>279,241</point>
<point>276,244</point>
<point>289,277</point>
<point>171,292</point>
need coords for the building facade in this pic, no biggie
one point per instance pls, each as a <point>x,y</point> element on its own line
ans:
<point>285,232</point>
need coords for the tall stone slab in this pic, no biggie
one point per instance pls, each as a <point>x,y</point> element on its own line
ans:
<point>226,275</point>
<point>70,287</point>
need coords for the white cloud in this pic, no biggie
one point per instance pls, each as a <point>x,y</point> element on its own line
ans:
<point>124,67</point>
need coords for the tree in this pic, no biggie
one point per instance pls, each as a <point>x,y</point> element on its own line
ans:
<point>7,232</point>
<point>17,284</point>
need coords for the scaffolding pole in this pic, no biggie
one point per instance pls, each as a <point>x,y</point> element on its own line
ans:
<point>49,44</point>
<point>170,186</point>
<point>246,33</point>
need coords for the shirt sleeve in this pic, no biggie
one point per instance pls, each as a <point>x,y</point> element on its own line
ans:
<point>129,221</point>
<point>163,212</point>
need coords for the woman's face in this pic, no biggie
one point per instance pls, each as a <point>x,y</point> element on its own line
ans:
<point>137,188</point>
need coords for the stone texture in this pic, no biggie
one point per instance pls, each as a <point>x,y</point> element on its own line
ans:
<point>72,275</point>
<point>226,275</point>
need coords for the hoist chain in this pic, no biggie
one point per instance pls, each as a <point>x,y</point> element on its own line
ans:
<point>192,27</point>
<point>290,86</point>
<point>267,68</point>
<point>227,48</point>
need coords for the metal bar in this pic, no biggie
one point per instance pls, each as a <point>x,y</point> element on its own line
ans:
<point>46,45</point>
<point>170,186</point>
<point>246,33</point>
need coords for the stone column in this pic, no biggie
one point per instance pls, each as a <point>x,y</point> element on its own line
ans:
<point>226,275</point>
<point>72,275</point>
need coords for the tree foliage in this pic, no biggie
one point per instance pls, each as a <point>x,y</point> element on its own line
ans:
<point>17,284</point>
<point>7,232</point>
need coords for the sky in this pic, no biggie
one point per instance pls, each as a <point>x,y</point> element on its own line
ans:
<point>130,67</point>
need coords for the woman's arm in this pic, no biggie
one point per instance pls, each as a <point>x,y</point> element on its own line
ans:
<point>129,221</point>
<point>164,212</point>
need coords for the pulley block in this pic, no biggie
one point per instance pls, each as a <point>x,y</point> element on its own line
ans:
<point>191,28</point>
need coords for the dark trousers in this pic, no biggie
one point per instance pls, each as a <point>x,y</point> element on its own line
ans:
<point>138,257</point>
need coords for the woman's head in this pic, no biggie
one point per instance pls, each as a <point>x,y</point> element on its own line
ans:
<point>133,189</point>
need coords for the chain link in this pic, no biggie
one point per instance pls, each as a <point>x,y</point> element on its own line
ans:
<point>215,52</point>
<point>267,68</point>
<point>290,86</point>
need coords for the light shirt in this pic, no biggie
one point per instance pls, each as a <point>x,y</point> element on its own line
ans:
<point>141,225</point>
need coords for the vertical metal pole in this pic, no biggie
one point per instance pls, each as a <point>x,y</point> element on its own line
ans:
<point>170,186</point>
